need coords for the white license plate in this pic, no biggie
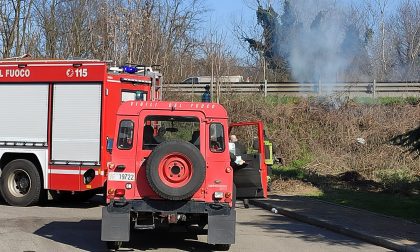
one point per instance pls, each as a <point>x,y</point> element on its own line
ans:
<point>121,176</point>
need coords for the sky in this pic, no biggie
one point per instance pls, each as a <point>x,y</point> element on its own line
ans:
<point>224,14</point>
<point>226,10</point>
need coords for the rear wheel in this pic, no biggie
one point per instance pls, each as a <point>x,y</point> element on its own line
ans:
<point>20,183</point>
<point>114,245</point>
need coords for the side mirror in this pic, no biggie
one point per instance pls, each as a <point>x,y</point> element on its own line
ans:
<point>109,144</point>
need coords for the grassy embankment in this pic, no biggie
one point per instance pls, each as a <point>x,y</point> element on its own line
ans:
<point>390,186</point>
<point>362,153</point>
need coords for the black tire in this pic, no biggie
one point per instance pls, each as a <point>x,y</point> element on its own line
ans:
<point>114,245</point>
<point>188,153</point>
<point>20,183</point>
<point>222,247</point>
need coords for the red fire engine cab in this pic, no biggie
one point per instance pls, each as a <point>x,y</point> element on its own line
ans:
<point>56,119</point>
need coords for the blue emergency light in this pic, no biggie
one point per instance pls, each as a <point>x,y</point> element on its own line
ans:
<point>129,69</point>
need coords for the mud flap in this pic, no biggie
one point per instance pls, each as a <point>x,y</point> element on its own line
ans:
<point>221,228</point>
<point>115,225</point>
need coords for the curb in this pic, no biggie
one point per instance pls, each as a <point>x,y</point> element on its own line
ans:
<point>334,227</point>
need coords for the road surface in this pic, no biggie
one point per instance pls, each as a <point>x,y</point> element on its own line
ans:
<point>67,227</point>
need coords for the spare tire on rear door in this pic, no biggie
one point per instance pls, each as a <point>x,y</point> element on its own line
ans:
<point>176,170</point>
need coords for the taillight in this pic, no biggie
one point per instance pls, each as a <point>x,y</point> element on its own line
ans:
<point>119,193</point>
<point>110,165</point>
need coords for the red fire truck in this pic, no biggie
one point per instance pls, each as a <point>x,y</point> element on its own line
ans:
<point>56,117</point>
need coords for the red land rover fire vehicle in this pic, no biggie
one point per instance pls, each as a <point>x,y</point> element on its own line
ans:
<point>171,167</point>
<point>56,117</point>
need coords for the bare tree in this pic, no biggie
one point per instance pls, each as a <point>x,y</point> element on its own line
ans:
<point>218,59</point>
<point>14,18</point>
<point>47,19</point>
<point>377,11</point>
<point>406,39</point>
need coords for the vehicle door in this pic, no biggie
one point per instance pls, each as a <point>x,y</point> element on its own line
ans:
<point>122,174</point>
<point>250,170</point>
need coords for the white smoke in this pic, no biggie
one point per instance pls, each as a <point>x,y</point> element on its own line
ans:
<point>315,51</point>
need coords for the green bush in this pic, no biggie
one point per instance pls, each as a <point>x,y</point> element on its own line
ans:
<point>387,101</point>
<point>296,168</point>
<point>397,180</point>
<point>364,100</point>
<point>391,101</point>
<point>413,100</point>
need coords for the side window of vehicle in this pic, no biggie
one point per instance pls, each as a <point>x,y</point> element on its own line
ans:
<point>125,135</point>
<point>217,138</point>
<point>129,95</point>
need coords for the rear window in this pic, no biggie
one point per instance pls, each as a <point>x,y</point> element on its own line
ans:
<point>125,135</point>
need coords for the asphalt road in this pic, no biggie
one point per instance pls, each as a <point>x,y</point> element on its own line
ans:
<point>58,227</point>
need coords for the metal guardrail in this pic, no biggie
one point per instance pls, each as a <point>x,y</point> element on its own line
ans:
<point>351,89</point>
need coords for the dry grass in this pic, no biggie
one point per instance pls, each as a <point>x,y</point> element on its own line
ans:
<point>326,131</point>
<point>329,134</point>
<point>294,187</point>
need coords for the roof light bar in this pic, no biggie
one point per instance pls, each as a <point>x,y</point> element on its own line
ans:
<point>130,69</point>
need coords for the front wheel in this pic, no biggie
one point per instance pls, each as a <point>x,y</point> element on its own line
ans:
<point>20,183</point>
<point>114,245</point>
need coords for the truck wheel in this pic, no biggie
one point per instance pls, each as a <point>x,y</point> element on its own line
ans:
<point>114,245</point>
<point>222,247</point>
<point>176,170</point>
<point>20,183</point>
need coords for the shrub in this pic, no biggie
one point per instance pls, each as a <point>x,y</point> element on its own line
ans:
<point>397,180</point>
<point>413,100</point>
<point>390,101</point>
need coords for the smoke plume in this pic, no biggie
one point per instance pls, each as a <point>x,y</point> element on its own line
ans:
<point>325,44</point>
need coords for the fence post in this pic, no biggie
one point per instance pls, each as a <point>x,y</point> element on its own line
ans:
<point>265,88</point>
<point>374,89</point>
